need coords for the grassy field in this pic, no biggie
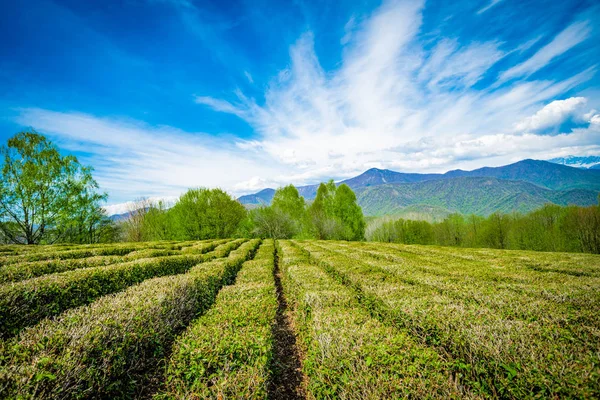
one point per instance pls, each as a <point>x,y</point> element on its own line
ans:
<point>296,319</point>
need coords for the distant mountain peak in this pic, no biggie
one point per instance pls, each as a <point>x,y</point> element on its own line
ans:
<point>532,182</point>
<point>584,162</point>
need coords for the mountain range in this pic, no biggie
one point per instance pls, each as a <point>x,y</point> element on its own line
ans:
<point>522,186</point>
<point>589,162</point>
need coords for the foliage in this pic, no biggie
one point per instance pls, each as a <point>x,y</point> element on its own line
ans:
<point>206,214</point>
<point>226,353</point>
<point>335,214</point>
<point>507,324</point>
<point>271,222</point>
<point>45,196</point>
<point>348,353</point>
<point>199,214</point>
<point>550,228</point>
<point>148,221</point>
<point>27,302</point>
<point>288,203</point>
<point>371,320</point>
<point>104,350</point>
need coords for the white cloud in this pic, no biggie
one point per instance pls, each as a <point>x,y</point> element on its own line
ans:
<point>219,105</point>
<point>394,103</point>
<point>248,76</point>
<point>450,66</point>
<point>134,160</point>
<point>564,41</point>
<point>491,4</point>
<point>348,28</point>
<point>552,114</point>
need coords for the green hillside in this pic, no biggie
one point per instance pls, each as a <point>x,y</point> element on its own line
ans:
<point>522,186</point>
<point>467,195</point>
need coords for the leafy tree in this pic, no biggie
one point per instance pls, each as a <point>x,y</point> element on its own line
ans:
<point>335,213</point>
<point>206,214</point>
<point>319,210</point>
<point>271,222</point>
<point>288,204</point>
<point>41,191</point>
<point>451,231</point>
<point>348,213</point>
<point>497,231</point>
<point>158,222</point>
<point>84,221</point>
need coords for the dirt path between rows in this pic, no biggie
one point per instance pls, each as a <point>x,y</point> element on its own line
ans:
<point>287,378</point>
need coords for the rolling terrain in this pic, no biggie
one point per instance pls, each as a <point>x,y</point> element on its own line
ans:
<point>522,186</point>
<point>466,195</point>
<point>296,319</point>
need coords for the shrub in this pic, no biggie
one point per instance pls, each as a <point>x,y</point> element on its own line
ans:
<point>110,349</point>
<point>25,303</point>
<point>226,352</point>
<point>513,324</point>
<point>348,353</point>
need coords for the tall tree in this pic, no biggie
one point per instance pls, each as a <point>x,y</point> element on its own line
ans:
<point>321,211</point>
<point>348,213</point>
<point>288,203</point>
<point>207,214</point>
<point>335,213</point>
<point>40,189</point>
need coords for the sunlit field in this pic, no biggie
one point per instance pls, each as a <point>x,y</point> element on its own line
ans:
<point>296,319</point>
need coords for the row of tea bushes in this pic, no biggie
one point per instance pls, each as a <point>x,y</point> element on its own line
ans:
<point>509,334</point>
<point>348,353</point>
<point>27,270</point>
<point>26,303</point>
<point>112,347</point>
<point>226,352</point>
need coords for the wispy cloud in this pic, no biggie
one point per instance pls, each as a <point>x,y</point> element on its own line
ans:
<point>564,41</point>
<point>397,98</point>
<point>133,159</point>
<point>394,103</point>
<point>491,4</point>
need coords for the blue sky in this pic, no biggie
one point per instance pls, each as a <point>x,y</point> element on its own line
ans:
<point>162,95</point>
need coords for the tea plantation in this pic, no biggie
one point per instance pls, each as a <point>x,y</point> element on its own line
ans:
<point>296,319</point>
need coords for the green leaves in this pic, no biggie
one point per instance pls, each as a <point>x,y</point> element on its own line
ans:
<point>43,193</point>
<point>226,352</point>
<point>113,345</point>
<point>335,213</point>
<point>206,214</point>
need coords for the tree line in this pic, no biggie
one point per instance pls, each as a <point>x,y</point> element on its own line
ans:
<point>47,197</point>
<point>550,228</point>
<point>212,213</point>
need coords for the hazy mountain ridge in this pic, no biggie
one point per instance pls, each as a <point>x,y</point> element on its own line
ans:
<point>589,162</point>
<point>522,186</point>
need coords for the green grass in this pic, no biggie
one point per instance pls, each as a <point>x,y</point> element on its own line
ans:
<point>200,319</point>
